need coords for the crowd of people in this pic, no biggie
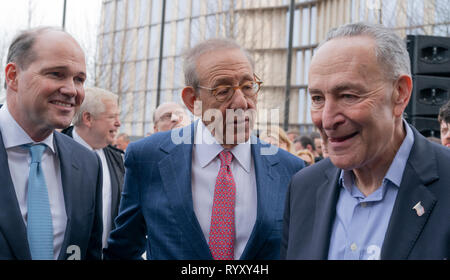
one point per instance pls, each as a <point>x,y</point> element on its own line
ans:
<point>366,185</point>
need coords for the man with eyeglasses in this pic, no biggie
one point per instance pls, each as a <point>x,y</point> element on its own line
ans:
<point>168,116</point>
<point>217,196</point>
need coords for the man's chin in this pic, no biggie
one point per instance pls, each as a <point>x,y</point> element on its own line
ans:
<point>61,124</point>
<point>344,162</point>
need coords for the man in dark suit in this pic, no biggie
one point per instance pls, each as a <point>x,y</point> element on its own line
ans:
<point>384,191</point>
<point>191,189</point>
<point>50,195</point>
<point>95,127</point>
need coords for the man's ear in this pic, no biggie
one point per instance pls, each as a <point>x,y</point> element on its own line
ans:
<point>87,119</point>
<point>189,97</point>
<point>11,76</point>
<point>401,95</point>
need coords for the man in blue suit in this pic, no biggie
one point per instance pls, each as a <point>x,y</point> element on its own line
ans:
<point>191,189</point>
<point>384,192</point>
<point>53,212</point>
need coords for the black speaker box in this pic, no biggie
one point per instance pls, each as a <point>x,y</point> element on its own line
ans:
<point>429,94</point>
<point>428,127</point>
<point>430,55</point>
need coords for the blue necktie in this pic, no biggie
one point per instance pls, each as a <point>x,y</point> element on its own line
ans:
<point>39,221</point>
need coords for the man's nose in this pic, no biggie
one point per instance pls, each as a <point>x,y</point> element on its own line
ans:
<point>239,101</point>
<point>175,118</point>
<point>331,115</point>
<point>68,88</point>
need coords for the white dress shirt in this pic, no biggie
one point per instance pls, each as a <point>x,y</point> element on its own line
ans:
<point>106,188</point>
<point>205,167</point>
<point>19,160</point>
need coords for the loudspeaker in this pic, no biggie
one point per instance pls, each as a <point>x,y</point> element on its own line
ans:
<point>429,94</point>
<point>430,55</point>
<point>428,127</point>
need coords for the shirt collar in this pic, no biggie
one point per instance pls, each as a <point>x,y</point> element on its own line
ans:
<point>397,167</point>
<point>13,134</point>
<point>80,140</point>
<point>207,148</point>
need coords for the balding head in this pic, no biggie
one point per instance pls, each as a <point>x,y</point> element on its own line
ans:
<point>168,116</point>
<point>21,50</point>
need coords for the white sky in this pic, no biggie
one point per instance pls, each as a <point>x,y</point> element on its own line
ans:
<point>82,20</point>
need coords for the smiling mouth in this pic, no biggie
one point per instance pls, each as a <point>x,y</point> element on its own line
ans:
<point>62,104</point>
<point>341,139</point>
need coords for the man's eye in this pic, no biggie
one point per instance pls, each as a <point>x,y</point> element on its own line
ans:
<point>349,96</point>
<point>223,91</point>
<point>56,74</point>
<point>80,79</point>
<point>317,99</point>
<point>247,87</point>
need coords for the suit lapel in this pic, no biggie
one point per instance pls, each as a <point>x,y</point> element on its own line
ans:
<point>176,179</point>
<point>70,178</point>
<point>11,221</point>
<point>269,197</point>
<point>405,224</point>
<point>325,212</point>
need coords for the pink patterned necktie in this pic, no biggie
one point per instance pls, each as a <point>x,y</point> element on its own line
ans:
<point>222,230</point>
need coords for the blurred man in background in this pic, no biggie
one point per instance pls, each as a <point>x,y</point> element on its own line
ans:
<point>168,116</point>
<point>95,127</point>
<point>444,121</point>
<point>121,142</point>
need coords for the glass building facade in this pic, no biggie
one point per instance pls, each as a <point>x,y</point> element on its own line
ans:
<point>132,56</point>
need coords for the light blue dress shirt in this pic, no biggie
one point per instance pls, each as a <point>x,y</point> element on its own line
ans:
<point>361,222</point>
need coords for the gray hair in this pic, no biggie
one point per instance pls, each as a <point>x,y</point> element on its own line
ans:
<point>21,49</point>
<point>124,136</point>
<point>192,55</point>
<point>390,49</point>
<point>93,103</point>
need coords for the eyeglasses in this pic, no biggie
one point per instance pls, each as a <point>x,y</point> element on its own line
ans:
<point>224,93</point>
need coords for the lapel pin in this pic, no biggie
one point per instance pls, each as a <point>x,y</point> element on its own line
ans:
<point>419,209</point>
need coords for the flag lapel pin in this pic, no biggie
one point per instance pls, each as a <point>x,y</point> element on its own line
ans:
<point>419,209</point>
